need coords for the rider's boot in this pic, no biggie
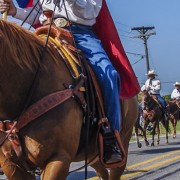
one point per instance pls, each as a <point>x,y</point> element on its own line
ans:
<point>112,153</point>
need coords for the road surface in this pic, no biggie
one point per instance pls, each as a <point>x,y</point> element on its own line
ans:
<point>148,163</point>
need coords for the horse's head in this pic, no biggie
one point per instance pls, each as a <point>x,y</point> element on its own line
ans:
<point>172,106</point>
<point>146,98</point>
<point>149,101</point>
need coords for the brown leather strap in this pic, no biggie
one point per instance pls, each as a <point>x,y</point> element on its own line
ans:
<point>47,103</point>
<point>98,92</point>
<point>42,106</point>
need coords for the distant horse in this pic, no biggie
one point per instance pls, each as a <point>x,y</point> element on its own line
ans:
<point>51,141</point>
<point>174,114</point>
<point>153,113</point>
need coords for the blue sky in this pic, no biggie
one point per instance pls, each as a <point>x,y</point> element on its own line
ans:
<point>164,52</point>
<point>164,47</point>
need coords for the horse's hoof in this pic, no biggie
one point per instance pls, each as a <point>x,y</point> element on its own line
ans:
<point>174,137</point>
<point>147,143</point>
<point>152,144</point>
<point>1,172</point>
<point>139,145</point>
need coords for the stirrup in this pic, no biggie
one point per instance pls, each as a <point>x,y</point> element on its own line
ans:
<point>120,145</point>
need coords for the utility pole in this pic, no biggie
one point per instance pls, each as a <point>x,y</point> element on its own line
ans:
<point>144,35</point>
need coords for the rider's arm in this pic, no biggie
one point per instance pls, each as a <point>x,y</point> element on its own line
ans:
<point>173,95</point>
<point>22,13</point>
<point>146,85</point>
<point>86,9</point>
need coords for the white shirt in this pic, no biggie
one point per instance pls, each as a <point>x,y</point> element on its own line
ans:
<point>79,11</point>
<point>175,94</point>
<point>154,86</point>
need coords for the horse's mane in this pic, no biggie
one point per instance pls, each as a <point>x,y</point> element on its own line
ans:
<point>21,46</point>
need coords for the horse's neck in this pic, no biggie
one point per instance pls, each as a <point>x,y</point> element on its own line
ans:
<point>18,83</point>
<point>152,103</point>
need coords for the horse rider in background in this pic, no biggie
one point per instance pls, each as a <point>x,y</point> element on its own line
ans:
<point>175,95</point>
<point>153,86</point>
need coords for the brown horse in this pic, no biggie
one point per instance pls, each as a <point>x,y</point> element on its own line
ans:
<point>51,141</point>
<point>153,113</point>
<point>174,114</point>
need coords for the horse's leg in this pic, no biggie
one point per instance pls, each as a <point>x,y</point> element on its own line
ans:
<point>153,132</point>
<point>129,116</point>
<point>136,133</point>
<point>158,133</point>
<point>57,168</point>
<point>12,170</point>
<point>174,123</point>
<point>101,171</point>
<point>145,137</point>
<point>167,129</point>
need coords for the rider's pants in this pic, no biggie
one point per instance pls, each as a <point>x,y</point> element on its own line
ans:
<point>107,76</point>
<point>161,100</point>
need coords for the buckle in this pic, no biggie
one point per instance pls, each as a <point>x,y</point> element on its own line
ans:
<point>61,22</point>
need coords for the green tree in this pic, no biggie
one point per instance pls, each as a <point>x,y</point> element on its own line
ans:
<point>167,97</point>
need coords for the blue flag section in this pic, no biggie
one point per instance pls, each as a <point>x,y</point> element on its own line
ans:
<point>22,3</point>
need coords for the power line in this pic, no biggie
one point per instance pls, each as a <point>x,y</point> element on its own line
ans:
<point>124,36</point>
<point>138,60</point>
<point>128,32</point>
<point>122,24</point>
<point>135,53</point>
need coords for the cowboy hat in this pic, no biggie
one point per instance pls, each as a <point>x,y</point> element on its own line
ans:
<point>177,84</point>
<point>151,72</point>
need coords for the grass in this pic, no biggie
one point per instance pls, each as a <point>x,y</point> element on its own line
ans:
<point>162,131</point>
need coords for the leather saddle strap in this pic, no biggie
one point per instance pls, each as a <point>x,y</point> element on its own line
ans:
<point>42,106</point>
<point>47,103</point>
<point>98,92</point>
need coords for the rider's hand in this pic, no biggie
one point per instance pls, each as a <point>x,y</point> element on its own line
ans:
<point>148,88</point>
<point>8,5</point>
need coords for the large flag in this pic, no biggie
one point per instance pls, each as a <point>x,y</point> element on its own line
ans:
<point>107,33</point>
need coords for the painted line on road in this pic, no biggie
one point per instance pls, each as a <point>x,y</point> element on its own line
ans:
<point>150,167</point>
<point>153,159</point>
<point>146,162</point>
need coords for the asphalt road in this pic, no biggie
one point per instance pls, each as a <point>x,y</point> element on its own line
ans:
<point>148,163</point>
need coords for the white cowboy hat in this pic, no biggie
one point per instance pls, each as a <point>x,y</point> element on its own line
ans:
<point>151,72</point>
<point>177,84</point>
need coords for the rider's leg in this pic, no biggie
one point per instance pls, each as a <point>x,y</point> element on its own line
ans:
<point>107,76</point>
<point>162,102</point>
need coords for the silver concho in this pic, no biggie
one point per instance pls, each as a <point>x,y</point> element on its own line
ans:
<point>60,22</point>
